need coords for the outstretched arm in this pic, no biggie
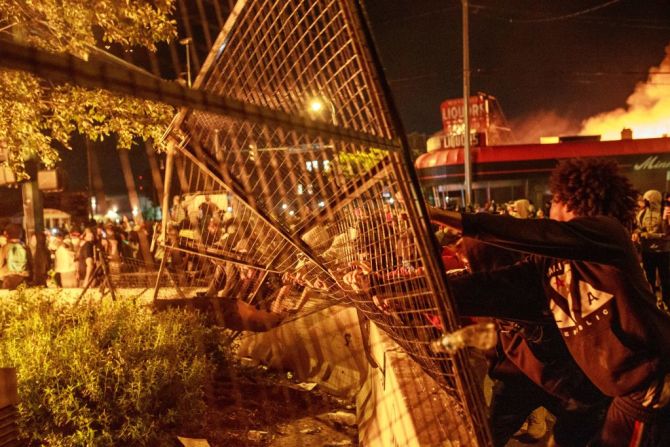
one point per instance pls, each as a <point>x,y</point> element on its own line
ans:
<point>451,219</point>
<point>592,239</point>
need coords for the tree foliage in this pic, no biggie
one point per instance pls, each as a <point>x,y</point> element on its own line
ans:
<point>352,164</point>
<point>74,25</point>
<point>39,115</point>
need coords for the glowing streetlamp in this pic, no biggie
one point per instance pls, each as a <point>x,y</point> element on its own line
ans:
<point>318,104</point>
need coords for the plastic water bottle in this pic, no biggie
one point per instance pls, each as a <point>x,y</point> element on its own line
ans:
<point>480,336</point>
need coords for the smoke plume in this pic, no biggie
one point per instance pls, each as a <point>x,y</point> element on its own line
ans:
<point>529,129</point>
<point>647,110</point>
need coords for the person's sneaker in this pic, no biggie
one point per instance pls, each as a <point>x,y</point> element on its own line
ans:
<point>537,424</point>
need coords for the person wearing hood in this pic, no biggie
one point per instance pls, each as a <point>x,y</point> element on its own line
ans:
<point>521,209</point>
<point>652,234</point>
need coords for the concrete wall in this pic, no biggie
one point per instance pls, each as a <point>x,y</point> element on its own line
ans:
<point>324,347</point>
<point>397,403</point>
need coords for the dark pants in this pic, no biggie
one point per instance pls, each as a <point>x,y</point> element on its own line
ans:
<point>628,423</point>
<point>514,399</point>
<point>654,261</point>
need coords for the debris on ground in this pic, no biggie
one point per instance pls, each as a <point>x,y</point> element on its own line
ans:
<point>193,442</point>
<point>253,406</point>
<point>340,418</point>
<point>257,435</point>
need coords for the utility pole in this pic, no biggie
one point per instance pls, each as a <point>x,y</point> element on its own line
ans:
<point>187,42</point>
<point>33,223</point>
<point>467,166</point>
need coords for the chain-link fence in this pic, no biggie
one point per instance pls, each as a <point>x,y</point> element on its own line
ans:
<point>289,182</point>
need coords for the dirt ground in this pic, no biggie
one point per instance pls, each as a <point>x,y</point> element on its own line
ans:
<point>251,406</point>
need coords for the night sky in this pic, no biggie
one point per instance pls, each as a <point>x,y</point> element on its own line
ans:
<point>534,56</point>
<point>567,60</point>
<point>110,167</point>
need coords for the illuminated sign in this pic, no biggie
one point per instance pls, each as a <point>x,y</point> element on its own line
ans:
<point>652,162</point>
<point>452,114</point>
<point>453,141</point>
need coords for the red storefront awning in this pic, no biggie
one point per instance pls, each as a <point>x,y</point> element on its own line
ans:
<point>522,161</point>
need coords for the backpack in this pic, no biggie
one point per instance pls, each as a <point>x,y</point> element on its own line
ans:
<point>652,221</point>
<point>17,259</point>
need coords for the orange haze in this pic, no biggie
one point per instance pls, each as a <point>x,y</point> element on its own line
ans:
<point>647,112</point>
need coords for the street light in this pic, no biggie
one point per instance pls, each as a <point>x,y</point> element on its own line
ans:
<point>318,103</point>
<point>187,42</point>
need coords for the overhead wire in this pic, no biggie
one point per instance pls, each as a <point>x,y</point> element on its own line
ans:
<point>505,15</point>
<point>407,18</point>
<point>567,16</point>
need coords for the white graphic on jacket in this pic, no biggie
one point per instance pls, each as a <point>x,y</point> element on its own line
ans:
<point>575,313</point>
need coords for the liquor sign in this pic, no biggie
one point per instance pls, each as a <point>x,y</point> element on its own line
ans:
<point>458,140</point>
<point>452,115</point>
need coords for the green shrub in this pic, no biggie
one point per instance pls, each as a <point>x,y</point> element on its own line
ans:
<point>105,374</point>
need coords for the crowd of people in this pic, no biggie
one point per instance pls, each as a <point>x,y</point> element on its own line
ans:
<point>72,252</point>
<point>579,291</point>
<point>650,233</point>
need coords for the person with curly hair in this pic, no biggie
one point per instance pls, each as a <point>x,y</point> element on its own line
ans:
<point>585,270</point>
<point>594,187</point>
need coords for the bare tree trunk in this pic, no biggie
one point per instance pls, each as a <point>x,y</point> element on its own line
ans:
<point>155,171</point>
<point>135,204</point>
<point>33,224</point>
<point>181,173</point>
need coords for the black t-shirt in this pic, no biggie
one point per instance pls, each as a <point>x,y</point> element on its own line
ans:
<point>85,251</point>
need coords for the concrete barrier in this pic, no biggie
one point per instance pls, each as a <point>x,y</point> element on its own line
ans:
<point>324,347</point>
<point>397,403</point>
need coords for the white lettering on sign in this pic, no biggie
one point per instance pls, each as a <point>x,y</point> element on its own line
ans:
<point>452,114</point>
<point>652,162</point>
<point>452,141</point>
<point>455,112</point>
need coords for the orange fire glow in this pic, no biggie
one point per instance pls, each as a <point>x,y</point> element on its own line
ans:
<point>647,112</point>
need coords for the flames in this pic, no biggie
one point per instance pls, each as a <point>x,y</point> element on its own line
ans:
<point>647,111</point>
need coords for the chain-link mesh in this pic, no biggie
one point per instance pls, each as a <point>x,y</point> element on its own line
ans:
<point>289,179</point>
